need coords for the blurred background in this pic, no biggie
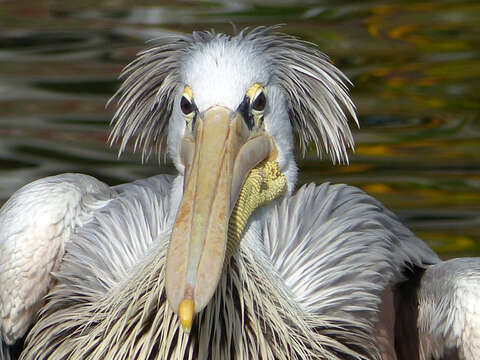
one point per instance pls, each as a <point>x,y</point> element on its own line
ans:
<point>415,67</point>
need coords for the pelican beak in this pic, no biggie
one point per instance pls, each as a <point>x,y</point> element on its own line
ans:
<point>218,155</point>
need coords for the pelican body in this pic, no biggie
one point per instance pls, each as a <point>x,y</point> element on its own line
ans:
<point>225,260</point>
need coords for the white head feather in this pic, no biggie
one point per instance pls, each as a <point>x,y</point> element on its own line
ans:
<point>305,91</point>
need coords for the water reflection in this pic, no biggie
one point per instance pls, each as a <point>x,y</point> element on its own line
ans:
<point>415,67</point>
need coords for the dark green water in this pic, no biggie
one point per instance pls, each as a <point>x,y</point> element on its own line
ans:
<point>415,67</point>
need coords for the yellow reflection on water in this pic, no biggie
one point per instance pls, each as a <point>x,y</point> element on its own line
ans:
<point>445,244</point>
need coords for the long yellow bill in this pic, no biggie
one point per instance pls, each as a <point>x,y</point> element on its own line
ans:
<point>217,157</point>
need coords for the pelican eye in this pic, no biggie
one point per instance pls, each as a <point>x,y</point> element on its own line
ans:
<point>260,102</point>
<point>253,106</point>
<point>186,105</point>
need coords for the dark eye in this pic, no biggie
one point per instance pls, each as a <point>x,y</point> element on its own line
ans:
<point>259,102</point>
<point>186,106</point>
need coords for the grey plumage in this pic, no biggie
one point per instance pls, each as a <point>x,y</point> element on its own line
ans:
<point>101,298</point>
<point>325,273</point>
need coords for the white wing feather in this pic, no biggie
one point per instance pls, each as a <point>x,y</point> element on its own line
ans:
<point>449,309</point>
<point>35,223</point>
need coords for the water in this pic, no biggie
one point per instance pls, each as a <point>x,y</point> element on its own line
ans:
<point>415,67</point>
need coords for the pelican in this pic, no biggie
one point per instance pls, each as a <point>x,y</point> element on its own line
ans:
<point>225,260</point>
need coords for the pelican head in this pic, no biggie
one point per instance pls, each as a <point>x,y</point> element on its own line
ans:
<point>228,107</point>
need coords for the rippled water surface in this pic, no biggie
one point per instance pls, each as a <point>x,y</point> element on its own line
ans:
<point>415,67</point>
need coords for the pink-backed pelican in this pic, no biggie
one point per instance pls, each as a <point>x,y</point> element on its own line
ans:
<point>225,260</point>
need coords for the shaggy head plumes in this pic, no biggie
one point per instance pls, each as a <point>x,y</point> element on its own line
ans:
<point>315,91</point>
